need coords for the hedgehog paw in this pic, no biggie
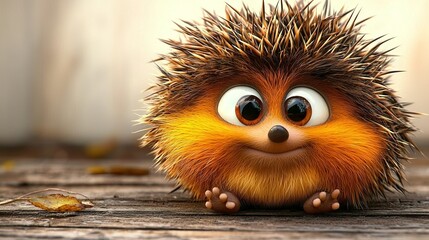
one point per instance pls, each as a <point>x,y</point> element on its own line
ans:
<point>322,202</point>
<point>223,202</point>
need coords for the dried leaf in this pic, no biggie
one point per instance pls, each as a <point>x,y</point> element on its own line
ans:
<point>101,149</point>
<point>7,165</point>
<point>97,170</point>
<point>54,202</point>
<point>118,170</point>
<point>59,203</point>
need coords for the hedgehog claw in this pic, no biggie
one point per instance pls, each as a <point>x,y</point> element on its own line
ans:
<point>322,202</point>
<point>222,201</point>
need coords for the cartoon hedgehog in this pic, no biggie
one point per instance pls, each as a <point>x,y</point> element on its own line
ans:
<point>286,107</point>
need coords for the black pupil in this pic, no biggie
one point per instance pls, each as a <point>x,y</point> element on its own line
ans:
<point>296,109</point>
<point>250,107</point>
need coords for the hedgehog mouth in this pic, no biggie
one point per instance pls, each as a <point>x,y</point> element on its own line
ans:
<point>291,153</point>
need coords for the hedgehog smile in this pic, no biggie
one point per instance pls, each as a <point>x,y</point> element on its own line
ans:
<point>295,152</point>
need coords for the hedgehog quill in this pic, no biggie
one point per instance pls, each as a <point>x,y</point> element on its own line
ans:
<point>280,108</point>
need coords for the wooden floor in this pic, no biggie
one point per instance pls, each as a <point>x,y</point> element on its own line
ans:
<point>140,207</point>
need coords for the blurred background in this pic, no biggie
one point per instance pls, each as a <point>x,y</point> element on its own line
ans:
<point>73,71</point>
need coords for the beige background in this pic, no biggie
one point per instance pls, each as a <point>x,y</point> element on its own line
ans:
<point>74,70</point>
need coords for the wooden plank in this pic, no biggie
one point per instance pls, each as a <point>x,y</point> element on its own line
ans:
<point>45,172</point>
<point>96,233</point>
<point>132,207</point>
<point>168,221</point>
<point>134,198</point>
<point>74,172</point>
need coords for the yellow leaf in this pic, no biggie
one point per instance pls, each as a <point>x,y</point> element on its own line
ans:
<point>8,165</point>
<point>59,203</point>
<point>97,170</point>
<point>101,149</point>
<point>119,170</point>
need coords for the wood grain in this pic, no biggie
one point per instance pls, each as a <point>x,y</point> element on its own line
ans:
<point>136,207</point>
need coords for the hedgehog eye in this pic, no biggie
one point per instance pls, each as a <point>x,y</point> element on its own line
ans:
<point>306,107</point>
<point>249,110</point>
<point>241,106</point>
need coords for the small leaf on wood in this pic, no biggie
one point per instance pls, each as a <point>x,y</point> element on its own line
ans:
<point>54,202</point>
<point>7,165</point>
<point>101,149</point>
<point>118,170</point>
<point>59,203</point>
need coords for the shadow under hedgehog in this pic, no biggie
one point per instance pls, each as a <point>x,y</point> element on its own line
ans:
<point>285,107</point>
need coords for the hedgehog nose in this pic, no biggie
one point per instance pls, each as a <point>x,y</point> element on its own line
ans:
<point>278,134</point>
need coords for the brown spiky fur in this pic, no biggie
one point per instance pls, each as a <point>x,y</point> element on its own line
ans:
<point>296,41</point>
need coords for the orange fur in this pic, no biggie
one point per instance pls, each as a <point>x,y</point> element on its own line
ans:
<point>359,149</point>
<point>203,151</point>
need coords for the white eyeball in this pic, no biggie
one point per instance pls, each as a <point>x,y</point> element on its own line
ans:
<point>306,107</point>
<point>241,105</point>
